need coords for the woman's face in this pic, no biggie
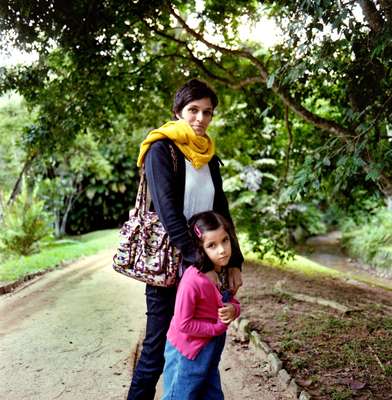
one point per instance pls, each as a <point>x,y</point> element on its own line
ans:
<point>198,114</point>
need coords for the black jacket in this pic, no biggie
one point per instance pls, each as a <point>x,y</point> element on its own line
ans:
<point>167,188</point>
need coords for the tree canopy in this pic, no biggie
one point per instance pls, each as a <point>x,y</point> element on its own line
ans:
<point>317,105</point>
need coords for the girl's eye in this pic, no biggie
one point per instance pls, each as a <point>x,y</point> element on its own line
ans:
<point>208,113</point>
<point>225,239</point>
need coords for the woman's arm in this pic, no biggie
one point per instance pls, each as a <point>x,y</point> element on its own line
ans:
<point>222,207</point>
<point>163,185</point>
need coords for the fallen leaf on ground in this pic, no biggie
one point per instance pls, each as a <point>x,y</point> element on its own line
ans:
<point>357,385</point>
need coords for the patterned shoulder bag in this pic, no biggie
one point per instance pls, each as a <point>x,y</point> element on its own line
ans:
<point>145,252</point>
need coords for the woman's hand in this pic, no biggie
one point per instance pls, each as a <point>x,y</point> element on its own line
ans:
<point>227,313</point>
<point>213,277</point>
<point>235,279</point>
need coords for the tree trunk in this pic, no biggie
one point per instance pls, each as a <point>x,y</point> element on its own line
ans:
<point>64,219</point>
<point>289,142</point>
<point>388,200</point>
<point>1,207</point>
<point>16,189</point>
<point>386,6</point>
<point>57,224</point>
<point>372,15</point>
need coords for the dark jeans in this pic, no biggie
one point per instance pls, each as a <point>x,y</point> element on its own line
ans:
<point>160,309</point>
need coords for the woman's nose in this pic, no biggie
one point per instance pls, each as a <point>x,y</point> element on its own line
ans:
<point>200,116</point>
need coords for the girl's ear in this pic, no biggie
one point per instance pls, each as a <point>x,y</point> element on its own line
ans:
<point>179,116</point>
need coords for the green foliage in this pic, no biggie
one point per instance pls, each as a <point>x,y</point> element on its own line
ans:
<point>24,226</point>
<point>371,241</point>
<point>304,220</point>
<point>60,176</point>
<point>332,69</point>
<point>14,116</point>
<point>255,212</point>
<point>104,202</point>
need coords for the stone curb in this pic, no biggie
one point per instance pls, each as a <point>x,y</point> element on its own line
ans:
<point>274,366</point>
<point>8,287</point>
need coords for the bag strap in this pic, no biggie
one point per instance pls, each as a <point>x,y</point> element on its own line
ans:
<point>140,203</point>
<point>143,197</point>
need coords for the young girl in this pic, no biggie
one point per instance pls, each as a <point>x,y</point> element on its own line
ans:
<point>197,331</point>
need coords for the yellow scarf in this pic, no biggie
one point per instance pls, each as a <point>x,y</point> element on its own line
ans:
<point>197,149</point>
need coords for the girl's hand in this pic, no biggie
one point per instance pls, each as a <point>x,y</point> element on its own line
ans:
<point>227,313</point>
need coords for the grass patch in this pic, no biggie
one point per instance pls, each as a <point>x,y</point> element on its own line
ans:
<point>52,255</point>
<point>302,265</point>
<point>296,264</point>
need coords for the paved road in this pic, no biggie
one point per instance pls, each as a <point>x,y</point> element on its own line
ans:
<point>73,333</point>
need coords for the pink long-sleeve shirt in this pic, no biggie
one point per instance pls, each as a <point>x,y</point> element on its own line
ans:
<point>195,319</point>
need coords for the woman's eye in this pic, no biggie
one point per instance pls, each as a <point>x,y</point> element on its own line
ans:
<point>208,113</point>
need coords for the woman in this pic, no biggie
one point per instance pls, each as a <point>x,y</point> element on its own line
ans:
<point>181,185</point>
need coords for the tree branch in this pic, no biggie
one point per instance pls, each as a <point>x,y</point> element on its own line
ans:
<point>234,84</point>
<point>319,122</point>
<point>346,135</point>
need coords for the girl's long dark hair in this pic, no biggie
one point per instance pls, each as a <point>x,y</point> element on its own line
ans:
<point>204,222</point>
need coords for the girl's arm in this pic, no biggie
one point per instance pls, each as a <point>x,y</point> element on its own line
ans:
<point>185,310</point>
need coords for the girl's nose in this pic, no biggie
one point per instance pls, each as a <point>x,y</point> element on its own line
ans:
<point>200,116</point>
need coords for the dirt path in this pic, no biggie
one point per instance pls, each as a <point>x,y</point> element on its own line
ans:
<point>73,333</point>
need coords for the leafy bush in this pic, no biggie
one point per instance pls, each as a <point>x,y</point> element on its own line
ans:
<point>371,241</point>
<point>24,226</point>
<point>304,220</point>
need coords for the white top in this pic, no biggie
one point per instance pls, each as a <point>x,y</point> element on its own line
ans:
<point>199,190</point>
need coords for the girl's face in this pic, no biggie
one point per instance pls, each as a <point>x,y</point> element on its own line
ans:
<point>198,114</point>
<point>217,246</point>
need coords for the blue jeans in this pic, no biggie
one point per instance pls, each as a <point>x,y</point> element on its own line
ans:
<point>160,309</point>
<point>197,379</point>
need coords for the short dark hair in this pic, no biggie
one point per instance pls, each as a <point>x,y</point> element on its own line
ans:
<point>204,222</point>
<point>194,89</point>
